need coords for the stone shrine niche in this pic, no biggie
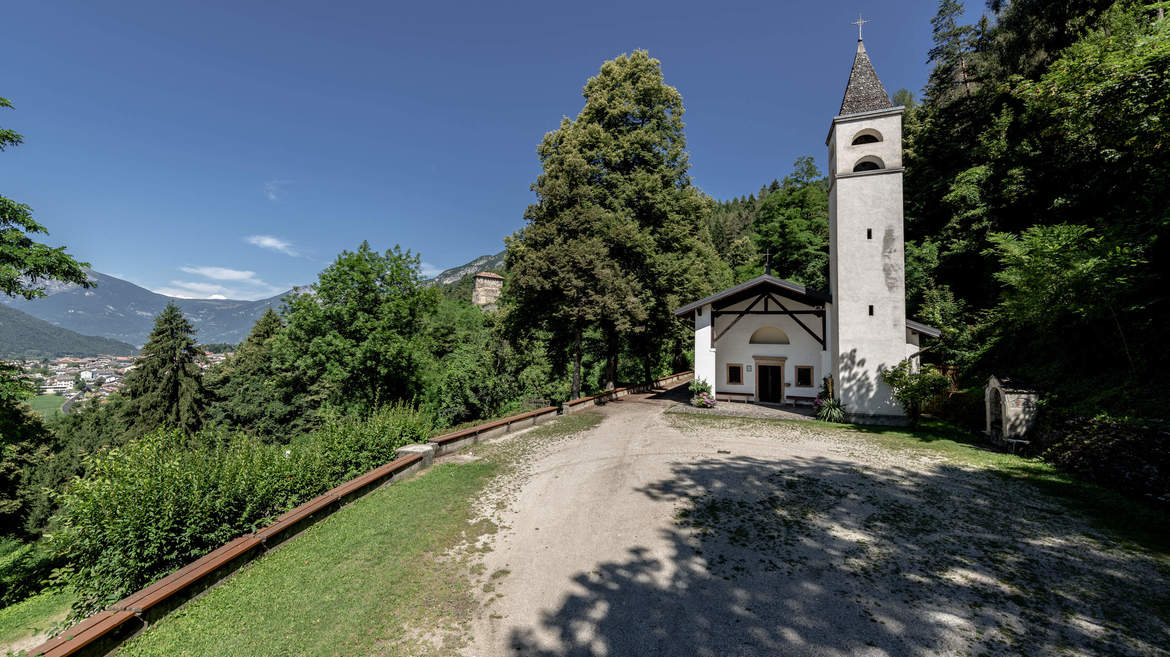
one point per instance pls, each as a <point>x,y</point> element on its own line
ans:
<point>1011,409</point>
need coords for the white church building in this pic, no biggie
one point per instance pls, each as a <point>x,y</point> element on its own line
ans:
<point>771,340</point>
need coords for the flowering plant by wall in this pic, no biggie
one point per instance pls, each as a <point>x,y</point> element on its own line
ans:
<point>703,400</point>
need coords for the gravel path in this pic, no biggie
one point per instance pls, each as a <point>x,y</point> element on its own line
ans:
<point>670,534</point>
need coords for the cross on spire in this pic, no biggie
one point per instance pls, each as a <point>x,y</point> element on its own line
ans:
<point>768,262</point>
<point>859,23</point>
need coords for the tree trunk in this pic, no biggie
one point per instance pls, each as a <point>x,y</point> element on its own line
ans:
<point>577,363</point>
<point>611,355</point>
<point>1124,343</point>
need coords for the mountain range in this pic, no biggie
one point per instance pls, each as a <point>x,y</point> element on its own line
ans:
<point>482,263</point>
<point>124,312</point>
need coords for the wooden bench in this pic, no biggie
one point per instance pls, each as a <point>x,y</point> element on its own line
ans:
<point>1015,443</point>
<point>742,397</point>
<point>798,400</point>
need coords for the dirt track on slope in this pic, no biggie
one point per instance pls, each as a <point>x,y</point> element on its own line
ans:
<point>664,534</point>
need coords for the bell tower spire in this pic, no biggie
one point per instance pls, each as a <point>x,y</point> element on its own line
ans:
<point>866,249</point>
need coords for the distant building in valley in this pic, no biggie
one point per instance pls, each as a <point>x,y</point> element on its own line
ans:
<point>486,290</point>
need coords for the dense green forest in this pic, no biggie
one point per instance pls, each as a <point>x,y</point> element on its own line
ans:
<point>1035,187</point>
<point>27,337</point>
<point>1036,215</point>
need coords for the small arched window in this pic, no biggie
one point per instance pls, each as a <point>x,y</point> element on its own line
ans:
<point>867,136</point>
<point>769,335</point>
<point>868,163</point>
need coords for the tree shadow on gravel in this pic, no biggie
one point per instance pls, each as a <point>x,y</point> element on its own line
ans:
<point>820,557</point>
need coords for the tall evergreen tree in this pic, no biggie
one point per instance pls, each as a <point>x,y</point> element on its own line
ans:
<point>792,225</point>
<point>617,224</point>
<point>242,387</point>
<point>951,74</point>
<point>165,388</point>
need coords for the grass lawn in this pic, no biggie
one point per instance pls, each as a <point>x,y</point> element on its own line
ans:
<point>30,617</point>
<point>364,581</point>
<point>47,405</point>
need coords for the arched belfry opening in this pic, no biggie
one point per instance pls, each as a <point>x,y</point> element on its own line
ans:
<point>867,136</point>
<point>769,335</point>
<point>869,163</point>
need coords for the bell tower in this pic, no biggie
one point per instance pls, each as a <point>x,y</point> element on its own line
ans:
<point>866,247</point>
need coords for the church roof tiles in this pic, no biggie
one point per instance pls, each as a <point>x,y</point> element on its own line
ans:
<point>865,92</point>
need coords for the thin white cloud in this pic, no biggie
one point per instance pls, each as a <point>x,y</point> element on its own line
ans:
<point>202,290</point>
<point>274,189</point>
<point>191,290</point>
<point>273,244</point>
<point>223,274</point>
<point>428,270</point>
<point>223,283</point>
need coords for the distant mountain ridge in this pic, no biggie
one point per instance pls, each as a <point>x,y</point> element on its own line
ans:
<point>482,263</point>
<point>120,310</point>
<point>124,312</point>
<point>25,336</point>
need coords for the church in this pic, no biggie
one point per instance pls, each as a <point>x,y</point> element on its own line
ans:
<point>772,340</point>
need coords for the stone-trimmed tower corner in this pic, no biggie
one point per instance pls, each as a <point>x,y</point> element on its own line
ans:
<point>866,244</point>
<point>486,289</point>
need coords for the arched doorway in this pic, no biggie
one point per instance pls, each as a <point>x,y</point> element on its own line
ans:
<point>995,413</point>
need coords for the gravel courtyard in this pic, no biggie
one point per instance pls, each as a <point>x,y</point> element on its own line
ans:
<point>661,533</point>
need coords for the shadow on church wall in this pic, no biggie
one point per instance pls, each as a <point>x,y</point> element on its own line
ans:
<point>855,377</point>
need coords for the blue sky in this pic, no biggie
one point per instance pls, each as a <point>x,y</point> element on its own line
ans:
<point>234,148</point>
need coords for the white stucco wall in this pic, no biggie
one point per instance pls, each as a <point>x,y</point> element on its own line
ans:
<point>912,347</point>
<point>803,349</point>
<point>704,354</point>
<point>867,264</point>
<point>844,155</point>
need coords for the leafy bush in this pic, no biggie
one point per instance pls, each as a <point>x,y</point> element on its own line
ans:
<point>1127,457</point>
<point>147,508</point>
<point>466,385</point>
<point>24,567</point>
<point>698,387</point>
<point>914,390</point>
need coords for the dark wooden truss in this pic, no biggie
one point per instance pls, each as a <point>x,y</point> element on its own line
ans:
<point>768,298</point>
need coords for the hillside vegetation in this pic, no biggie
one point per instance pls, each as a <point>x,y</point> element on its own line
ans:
<point>25,336</point>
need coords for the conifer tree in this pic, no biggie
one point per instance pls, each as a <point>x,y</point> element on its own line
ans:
<point>241,388</point>
<point>166,386</point>
<point>618,236</point>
